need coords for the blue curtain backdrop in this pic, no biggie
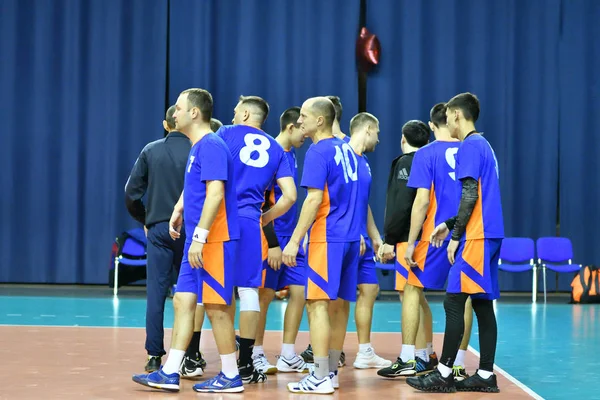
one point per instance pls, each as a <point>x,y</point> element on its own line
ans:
<point>82,90</point>
<point>84,85</point>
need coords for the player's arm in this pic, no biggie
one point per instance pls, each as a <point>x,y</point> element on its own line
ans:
<point>176,220</point>
<point>215,193</point>
<point>418,214</point>
<point>372,230</point>
<point>308,214</point>
<point>269,228</point>
<point>136,187</point>
<point>285,202</point>
<point>468,199</point>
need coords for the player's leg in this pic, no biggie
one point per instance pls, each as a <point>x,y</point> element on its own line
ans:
<point>259,359</point>
<point>219,265</point>
<point>160,260</point>
<point>368,289</point>
<point>193,363</point>
<point>323,274</point>
<point>184,303</point>
<point>458,370</point>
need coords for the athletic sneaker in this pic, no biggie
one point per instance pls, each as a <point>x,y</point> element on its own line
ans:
<point>294,364</point>
<point>261,364</point>
<point>369,359</point>
<point>250,375</point>
<point>399,368</point>
<point>335,380</point>
<point>433,382</point>
<point>342,360</point>
<point>153,363</point>
<point>308,357</point>
<point>192,367</point>
<point>475,383</point>
<point>422,366</point>
<point>159,380</point>
<point>220,384</point>
<point>459,373</point>
<point>311,385</point>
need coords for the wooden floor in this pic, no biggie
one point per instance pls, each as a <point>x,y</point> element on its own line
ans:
<point>97,363</point>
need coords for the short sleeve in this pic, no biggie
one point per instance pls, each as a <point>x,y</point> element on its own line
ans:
<point>213,160</point>
<point>283,170</point>
<point>421,174</point>
<point>314,174</point>
<point>468,161</point>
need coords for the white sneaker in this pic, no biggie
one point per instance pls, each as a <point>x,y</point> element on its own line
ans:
<point>261,364</point>
<point>369,359</point>
<point>335,380</point>
<point>311,385</point>
<point>294,364</point>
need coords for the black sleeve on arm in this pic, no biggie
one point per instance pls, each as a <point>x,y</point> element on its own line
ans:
<point>269,229</point>
<point>467,203</point>
<point>399,206</point>
<point>135,189</point>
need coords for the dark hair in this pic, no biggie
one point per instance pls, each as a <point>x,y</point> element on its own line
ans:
<point>203,100</point>
<point>169,117</point>
<point>416,133</point>
<point>361,119</point>
<point>258,103</point>
<point>289,116</point>
<point>215,124</point>
<point>468,103</point>
<point>337,104</point>
<point>324,107</point>
<point>437,115</point>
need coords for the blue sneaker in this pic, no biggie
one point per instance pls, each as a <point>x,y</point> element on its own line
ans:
<point>220,383</point>
<point>159,380</point>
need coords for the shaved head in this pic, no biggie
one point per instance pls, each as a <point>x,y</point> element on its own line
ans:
<point>322,107</point>
<point>316,115</point>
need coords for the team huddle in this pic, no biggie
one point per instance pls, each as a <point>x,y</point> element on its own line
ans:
<point>238,209</point>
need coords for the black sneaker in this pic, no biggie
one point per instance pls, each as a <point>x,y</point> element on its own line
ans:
<point>153,363</point>
<point>433,382</point>
<point>192,366</point>
<point>422,367</point>
<point>251,375</point>
<point>308,356</point>
<point>342,360</point>
<point>399,368</point>
<point>475,383</point>
<point>459,373</point>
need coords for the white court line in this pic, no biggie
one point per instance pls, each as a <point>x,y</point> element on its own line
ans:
<point>511,378</point>
<point>48,315</point>
<point>13,315</point>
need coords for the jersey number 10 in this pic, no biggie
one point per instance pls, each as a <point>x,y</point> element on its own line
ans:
<point>342,156</point>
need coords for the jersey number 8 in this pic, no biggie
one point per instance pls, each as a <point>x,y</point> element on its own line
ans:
<point>261,148</point>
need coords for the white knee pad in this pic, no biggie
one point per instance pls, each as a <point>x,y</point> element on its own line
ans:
<point>249,299</point>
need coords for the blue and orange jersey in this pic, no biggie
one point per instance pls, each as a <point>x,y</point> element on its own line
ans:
<point>476,159</point>
<point>433,169</point>
<point>258,160</point>
<point>364,191</point>
<point>284,225</point>
<point>331,166</point>
<point>210,160</point>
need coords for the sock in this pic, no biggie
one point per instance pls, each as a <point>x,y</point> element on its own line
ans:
<point>194,346</point>
<point>445,371</point>
<point>460,358</point>
<point>408,352</point>
<point>287,350</point>
<point>322,367</point>
<point>173,361</point>
<point>362,348</point>
<point>246,351</point>
<point>229,365</point>
<point>334,357</point>
<point>430,348</point>
<point>257,350</point>
<point>422,354</point>
<point>484,374</point>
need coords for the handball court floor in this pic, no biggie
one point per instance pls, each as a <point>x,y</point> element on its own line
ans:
<point>68,342</point>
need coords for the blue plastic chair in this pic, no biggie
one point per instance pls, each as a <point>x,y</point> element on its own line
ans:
<point>518,255</point>
<point>132,252</point>
<point>556,254</point>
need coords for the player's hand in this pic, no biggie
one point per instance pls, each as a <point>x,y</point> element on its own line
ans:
<point>363,246</point>
<point>290,252</point>
<point>145,231</point>
<point>439,234</point>
<point>409,254</point>
<point>274,258</point>
<point>376,243</point>
<point>195,255</point>
<point>175,223</point>
<point>386,253</point>
<point>452,246</point>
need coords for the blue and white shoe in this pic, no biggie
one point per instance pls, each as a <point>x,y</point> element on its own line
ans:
<point>159,380</point>
<point>312,385</point>
<point>220,384</point>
